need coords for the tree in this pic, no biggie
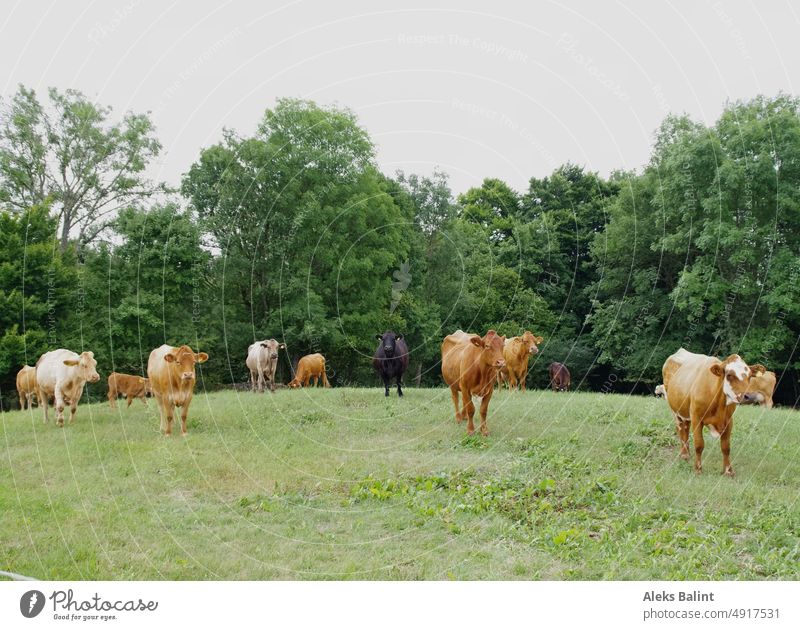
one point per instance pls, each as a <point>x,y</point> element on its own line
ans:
<point>71,155</point>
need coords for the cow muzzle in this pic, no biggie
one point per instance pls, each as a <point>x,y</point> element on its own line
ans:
<point>500,363</point>
<point>533,351</point>
<point>187,376</point>
<point>94,379</point>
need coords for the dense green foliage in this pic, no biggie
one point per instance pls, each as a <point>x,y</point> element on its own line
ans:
<point>294,233</point>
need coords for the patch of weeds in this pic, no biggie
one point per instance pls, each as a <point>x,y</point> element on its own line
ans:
<point>475,441</point>
<point>313,417</point>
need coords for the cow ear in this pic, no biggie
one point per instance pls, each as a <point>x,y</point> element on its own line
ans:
<point>476,341</point>
<point>70,362</point>
<point>398,337</point>
<point>378,337</point>
<point>282,346</point>
<point>264,345</point>
<point>142,380</point>
<point>755,369</point>
<point>169,358</point>
<point>201,357</point>
<point>717,369</point>
<point>538,340</point>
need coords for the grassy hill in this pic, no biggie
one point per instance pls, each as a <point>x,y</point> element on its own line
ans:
<point>345,484</point>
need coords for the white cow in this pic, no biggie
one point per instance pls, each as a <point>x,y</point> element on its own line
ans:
<point>262,359</point>
<point>61,374</point>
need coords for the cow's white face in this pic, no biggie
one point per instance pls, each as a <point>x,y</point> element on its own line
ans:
<point>86,367</point>
<point>736,380</point>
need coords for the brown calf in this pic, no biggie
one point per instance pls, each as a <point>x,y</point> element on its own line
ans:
<point>310,366</point>
<point>129,386</point>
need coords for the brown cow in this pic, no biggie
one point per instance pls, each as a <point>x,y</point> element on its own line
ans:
<point>310,366</point>
<point>172,376</point>
<point>560,379</point>
<point>469,365</point>
<point>26,385</point>
<point>129,386</point>
<point>762,386</point>
<point>704,391</point>
<point>517,351</point>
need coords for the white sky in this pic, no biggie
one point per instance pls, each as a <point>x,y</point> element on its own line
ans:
<point>500,89</point>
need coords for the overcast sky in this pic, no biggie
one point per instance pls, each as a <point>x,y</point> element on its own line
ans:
<point>481,89</point>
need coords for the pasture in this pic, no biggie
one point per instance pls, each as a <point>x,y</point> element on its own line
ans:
<point>346,484</point>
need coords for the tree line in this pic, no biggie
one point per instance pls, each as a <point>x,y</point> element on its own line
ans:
<point>294,233</point>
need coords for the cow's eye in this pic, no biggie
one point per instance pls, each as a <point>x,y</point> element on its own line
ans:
<point>730,377</point>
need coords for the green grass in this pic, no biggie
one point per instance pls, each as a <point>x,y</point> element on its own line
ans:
<point>345,484</point>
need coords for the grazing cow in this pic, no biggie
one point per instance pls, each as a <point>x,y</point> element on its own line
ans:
<point>704,391</point>
<point>469,365</point>
<point>560,378</point>
<point>262,359</point>
<point>310,366</point>
<point>26,385</point>
<point>660,391</point>
<point>172,377</point>
<point>391,359</point>
<point>762,386</point>
<point>516,352</point>
<point>62,374</point>
<point>129,386</point>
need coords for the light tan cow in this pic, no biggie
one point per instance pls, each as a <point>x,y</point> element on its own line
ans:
<point>62,374</point>
<point>762,386</point>
<point>26,386</point>
<point>516,352</point>
<point>172,377</point>
<point>262,360</point>
<point>703,391</point>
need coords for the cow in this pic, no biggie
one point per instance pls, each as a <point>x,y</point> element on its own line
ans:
<point>391,359</point>
<point>310,366</point>
<point>172,376</point>
<point>516,352</point>
<point>62,375</point>
<point>129,386</point>
<point>262,359</point>
<point>469,365</point>
<point>704,391</point>
<point>660,391</point>
<point>559,377</point>
<point>26,386</point>
<point>762,386</point>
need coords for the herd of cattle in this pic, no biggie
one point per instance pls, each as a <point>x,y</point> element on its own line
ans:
<point>701,391</point>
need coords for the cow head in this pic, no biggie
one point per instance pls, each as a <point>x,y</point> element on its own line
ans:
<point>272,347</point>
<point>491,345</point>
<point>735,375</point>
<point>86,366</point>
<point>148,391</point>
<point>294,383</point>
<point>185,358</point>
<point>531,342</point>
<point>388,343</point>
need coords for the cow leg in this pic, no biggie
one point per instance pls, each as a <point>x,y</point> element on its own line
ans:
<point>386,385</point>
<point>184,414</point>
<point>699,444</point>
<point>169,415</point>
<point>59,407</point>
<point>130,400</point>
<point>44,403</point>
<point>468,410</point>
<point>162,412</point>
<point>325,380</point>
<point>725,446</point>
<point>454,393</point>
<point>682,428</point>
<point>512,380</point>
<point>73,409</point>
<point>484,409</point>
<point>399,388</point>
<point>112,398</point>
<point>523,379</point>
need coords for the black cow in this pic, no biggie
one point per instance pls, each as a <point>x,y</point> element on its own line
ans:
<point>559,377</point>
<point>391,359</point>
